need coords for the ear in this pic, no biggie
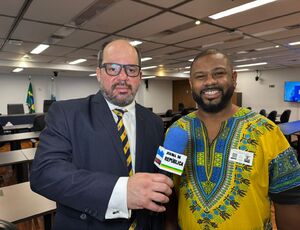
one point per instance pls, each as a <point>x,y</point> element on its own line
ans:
<point>98,72</point>
<point>234,77</point>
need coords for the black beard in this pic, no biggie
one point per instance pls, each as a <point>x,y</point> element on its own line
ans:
<point>214,108</point>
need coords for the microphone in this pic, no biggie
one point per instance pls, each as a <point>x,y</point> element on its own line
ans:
<point>170,158</point>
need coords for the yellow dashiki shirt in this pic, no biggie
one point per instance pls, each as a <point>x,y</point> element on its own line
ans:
<point>225,184</point>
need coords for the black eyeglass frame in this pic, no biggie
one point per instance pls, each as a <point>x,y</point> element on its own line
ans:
<point>104,65</point>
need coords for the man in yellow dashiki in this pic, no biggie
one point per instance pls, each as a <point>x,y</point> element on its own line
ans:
<point>237,160</point>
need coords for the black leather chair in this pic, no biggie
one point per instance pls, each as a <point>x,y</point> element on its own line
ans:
<point>1,133</point>
<point>285,116</point>
<point>169,113</point>
<point>180,106</point>
<point>38,125</point>
<point>15,109</point>
<point>5,225</point>
<point>47,104</point>
<point>272,115</point>
<point>263,112</point>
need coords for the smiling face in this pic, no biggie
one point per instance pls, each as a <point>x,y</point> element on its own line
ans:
<point>120,90</point>
<point>212,82</point>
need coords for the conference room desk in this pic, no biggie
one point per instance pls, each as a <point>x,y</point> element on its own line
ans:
<point>18,119</point>
<point>29,153</point>
<point>16,138</point>
<point>19,203</point>
<point>17,128</point>
<point>19,161</point>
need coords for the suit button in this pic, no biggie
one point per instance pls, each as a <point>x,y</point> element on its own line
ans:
<point>83,216</point>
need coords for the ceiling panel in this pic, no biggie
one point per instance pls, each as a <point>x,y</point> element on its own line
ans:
<point>5,24</point>
<point>80,38</point>
<point>164,3</point>
<point>48,11</point>
<point>33,31</point>
<point>11,7</point>
<point>120,15</point>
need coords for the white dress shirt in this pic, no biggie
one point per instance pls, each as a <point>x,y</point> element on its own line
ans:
<point>117,205</point>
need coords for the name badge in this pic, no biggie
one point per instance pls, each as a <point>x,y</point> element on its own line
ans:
<point>241,156</point>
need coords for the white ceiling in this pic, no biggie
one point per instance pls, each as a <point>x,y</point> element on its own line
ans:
<point>77,29</point>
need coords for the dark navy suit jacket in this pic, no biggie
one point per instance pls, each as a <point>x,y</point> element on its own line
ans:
<point>80,158</point>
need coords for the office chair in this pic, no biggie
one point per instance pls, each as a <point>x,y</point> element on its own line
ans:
<point>38,125</point>
<point>173,119</point>
<point>285,116</point>
<point>169,113</point>
<point>263,112</point>
<point>1,133</point>
<point>5,225</point>
<point>15,109</point>
<point>180,106</point>
<point>272,115</point>
<point>47,104</point>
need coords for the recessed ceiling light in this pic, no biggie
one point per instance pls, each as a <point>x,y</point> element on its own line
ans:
<point>241,70</point>
<point>149,67</point>
<point>294,43</point>
<point>135,43</point>
<point>252,64</point>
<point>241,8</point>
<point>77,61</point>
<point>16,70</point>
<point>149,77</point>
<point>198,22</point>
<point>146,59</point>
<point>39,49</point>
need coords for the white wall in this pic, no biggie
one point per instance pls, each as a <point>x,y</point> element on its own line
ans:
<point>13,89</point>
<point>259,94</point>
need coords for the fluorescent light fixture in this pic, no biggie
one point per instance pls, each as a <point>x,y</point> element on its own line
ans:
<point>135,43</point>
<point>268,32</point>
<point>241,70</point>
<point>146,59</point>
<point>186,71</point>
<point>294,43</point>
<point>149,77</point>
<point>241,8</point>
<point>77,61</point>
<point>149,67</point>
<point>187,67</point>
<point>93,74</point>
<point>16,70</point>
<point>253,64</point>
<point>39,49</point>
<point>245,59</point>
<point>198,22</point>
<point>191,59</point>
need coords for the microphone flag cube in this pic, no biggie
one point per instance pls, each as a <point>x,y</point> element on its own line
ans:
<point>170,161</point>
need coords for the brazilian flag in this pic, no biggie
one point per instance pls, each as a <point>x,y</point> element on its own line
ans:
<point>30,99</point>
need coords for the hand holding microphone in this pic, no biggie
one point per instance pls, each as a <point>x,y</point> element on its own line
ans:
<point>151,190</point>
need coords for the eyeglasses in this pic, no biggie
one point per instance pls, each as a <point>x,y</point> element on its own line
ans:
<point>114,69</point>
<point>215,73</point>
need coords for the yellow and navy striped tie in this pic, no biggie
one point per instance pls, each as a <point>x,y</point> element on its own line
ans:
<point>126,150</point>
<point>124,138</point>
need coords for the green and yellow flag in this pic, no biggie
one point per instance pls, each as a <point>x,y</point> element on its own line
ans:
<point>30,99</point>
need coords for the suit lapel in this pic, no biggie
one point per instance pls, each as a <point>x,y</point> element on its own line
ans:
<point>103,118</point>
<point>140,138</point>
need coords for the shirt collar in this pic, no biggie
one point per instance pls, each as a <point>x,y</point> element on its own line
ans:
<point>130,108</point>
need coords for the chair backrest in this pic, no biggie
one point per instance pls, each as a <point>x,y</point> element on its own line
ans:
<point>15,109</point>
<point>169,113</point>
<point>285,116</point>
<point>180,106</point>
<point>272,115</point>
<point>47,104</point>
<point>39,122</point>
<point>263,112</point>
<point>5,225</point>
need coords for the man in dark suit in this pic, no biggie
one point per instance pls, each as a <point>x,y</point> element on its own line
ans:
<point>80,161</point>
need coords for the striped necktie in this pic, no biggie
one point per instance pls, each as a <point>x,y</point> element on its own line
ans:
<point>126,150</point>
<point>123,135</point>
